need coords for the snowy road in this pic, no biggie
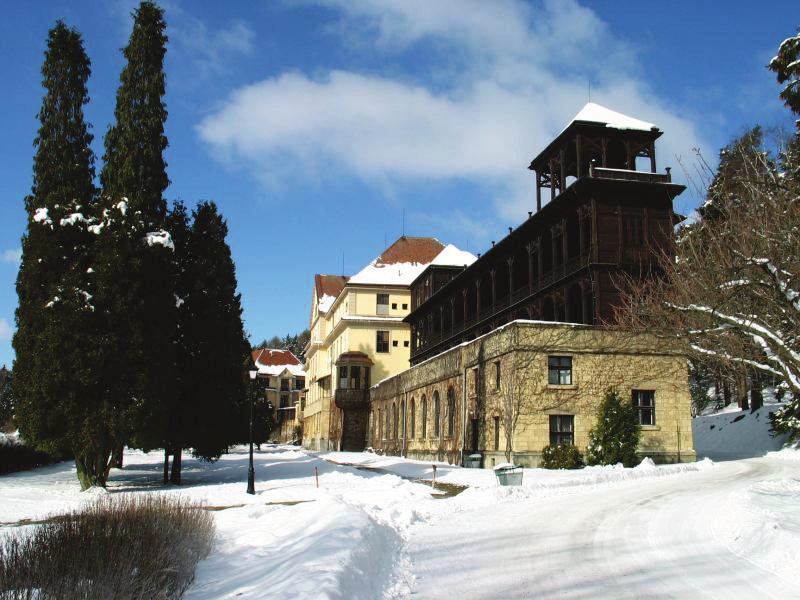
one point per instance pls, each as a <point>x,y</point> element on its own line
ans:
<point>660,538</point>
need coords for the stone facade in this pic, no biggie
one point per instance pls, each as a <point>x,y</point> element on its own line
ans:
<point>503,389</point>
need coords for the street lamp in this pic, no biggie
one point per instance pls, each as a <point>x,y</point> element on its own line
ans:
<point>251,472</point>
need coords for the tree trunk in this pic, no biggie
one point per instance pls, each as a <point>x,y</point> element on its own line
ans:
<point>176,466</point>
<point>166,466</point>
<point>93,470</point>
<point>116,460</point>
<point>726,393</point>
<point>756,396</point>
<point>741,390</point>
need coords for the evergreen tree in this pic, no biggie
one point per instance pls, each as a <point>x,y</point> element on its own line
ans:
<point>215,349</point>
<point>7,406</point>
<point>615,438</point>
<point>56,372</point>
<point>134,255</point>
<point>786,66</point>
<point>177,426</point>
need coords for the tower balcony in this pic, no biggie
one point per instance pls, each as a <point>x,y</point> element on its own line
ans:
<point>351,399</point>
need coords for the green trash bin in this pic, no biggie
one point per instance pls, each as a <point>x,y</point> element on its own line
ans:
<point>508,474</point>
<point>473,461</point>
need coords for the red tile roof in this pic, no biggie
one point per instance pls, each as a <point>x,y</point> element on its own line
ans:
<point>411,250</point>
<point>269,357</point>
<point>329,285</point>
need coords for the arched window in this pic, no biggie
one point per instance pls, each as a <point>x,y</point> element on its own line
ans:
<point>451,412</point>
<point>395,419</point>
<point>424,417</point>
<point>413,416</point>
<point>388,432</point>
<point>437,414</point>
<point>379,424</point>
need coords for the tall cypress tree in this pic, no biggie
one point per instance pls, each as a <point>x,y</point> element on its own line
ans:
<point>213,338</point>
<point>134,249</point>
<point>56,377</point>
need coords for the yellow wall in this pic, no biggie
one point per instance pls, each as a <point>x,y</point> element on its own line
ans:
<point>351,325</point>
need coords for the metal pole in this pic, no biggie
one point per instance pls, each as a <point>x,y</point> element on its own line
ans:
<point>251,473</point>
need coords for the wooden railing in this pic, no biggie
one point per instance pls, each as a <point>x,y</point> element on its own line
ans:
<point>626,175</point>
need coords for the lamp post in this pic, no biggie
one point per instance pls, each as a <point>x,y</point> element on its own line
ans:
<point>251,472</point>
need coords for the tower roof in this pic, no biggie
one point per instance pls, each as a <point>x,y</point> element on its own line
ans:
<point>595,113</point>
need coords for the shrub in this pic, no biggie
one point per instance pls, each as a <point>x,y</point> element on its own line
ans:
<point>127,546</point>
<point>563,456</point>
<point>615,438</point>
<point>15,456</point>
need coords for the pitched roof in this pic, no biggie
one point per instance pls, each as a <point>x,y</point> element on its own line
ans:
<point>595,113</point>
<point>411,250</point>
<point>400,263</point>
<point>329,285</point>
<point>273,362</point>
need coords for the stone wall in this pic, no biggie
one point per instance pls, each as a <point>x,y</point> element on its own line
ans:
<point>521,402</point>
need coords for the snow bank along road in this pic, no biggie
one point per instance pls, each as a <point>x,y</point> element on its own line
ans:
<point>727,530</point>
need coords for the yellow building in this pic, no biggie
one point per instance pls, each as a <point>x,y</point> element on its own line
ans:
<point>358,337</point>
<point>283,379</point>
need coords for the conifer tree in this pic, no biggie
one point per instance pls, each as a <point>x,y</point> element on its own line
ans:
<point>134,249</point>
<point>59,406</point>
<point>786,66</point>
<point>615,438</point>
<point>214,345</point>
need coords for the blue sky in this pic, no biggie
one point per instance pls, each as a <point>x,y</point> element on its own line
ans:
<point>314,124</point>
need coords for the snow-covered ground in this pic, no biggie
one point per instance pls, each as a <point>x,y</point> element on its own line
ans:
<point>732,433</point>
<point>376,529</point>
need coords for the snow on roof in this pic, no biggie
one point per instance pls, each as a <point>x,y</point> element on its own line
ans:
<point>273,362</point>
<point>324,304</point>
<point>600,114</point>
<point>401,263</point>
<point>452,256</point>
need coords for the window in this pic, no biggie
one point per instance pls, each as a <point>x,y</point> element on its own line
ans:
<point>436,415</point>
<point>343,378</point>
<point>299,383</point>
<point>424,417</point>
<point>632,230</point>
<point>451,412</point>
<point>382,341</point>
<point>559,370</point>
<point>284,385</point>
<point>382,304</point>
<point>284,401</point>
<point>413,418</point>
<point>394,305</point>
<point>562,429</point>
<point>497,375</point>
<point>496,434</point>
<point>644,401</point>
<point>405,306</point>
<point>395,419</point>
<point>388,424</point>
<point>394,343</point>
<point>405,344</point>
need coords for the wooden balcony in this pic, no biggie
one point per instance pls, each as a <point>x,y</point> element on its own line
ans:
<point>626,175</point>
<point>351,399</point>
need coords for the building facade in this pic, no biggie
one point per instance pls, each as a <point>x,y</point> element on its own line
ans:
<point>527,385</point>
<point>283,380</point>
<point>358,337</point>
<point>604,219</point>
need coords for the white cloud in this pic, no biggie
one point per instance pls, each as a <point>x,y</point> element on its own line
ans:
<point>514,85</point>
<point>210,51</point>
<point>5,330</point>
<point>13,256</point>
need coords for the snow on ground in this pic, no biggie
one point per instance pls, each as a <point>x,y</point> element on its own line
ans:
<point>372,529</point>
<point>733,433</point>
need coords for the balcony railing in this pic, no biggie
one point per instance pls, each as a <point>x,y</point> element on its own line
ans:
<point>626,175</point>
<point>547,279</point>
<point>349,399</point>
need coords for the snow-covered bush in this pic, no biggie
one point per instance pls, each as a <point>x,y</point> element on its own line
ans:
<point>616,435</point>
<point>128,546</point>
<point>562,456</point>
